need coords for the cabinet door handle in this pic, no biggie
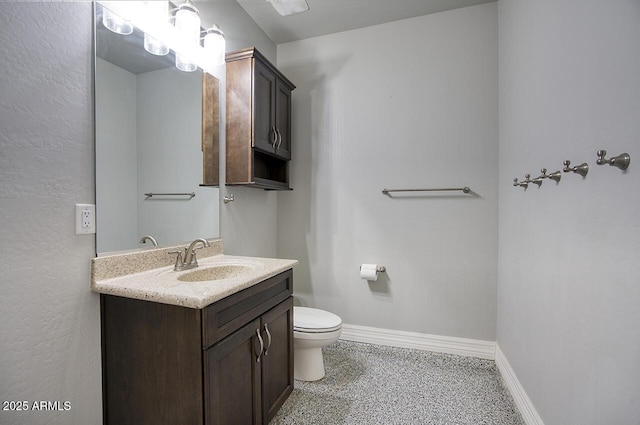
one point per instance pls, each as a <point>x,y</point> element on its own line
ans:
<point>274,139</point>
<point>266,329</point>
<point>279,138</point>
<point>261,345</point>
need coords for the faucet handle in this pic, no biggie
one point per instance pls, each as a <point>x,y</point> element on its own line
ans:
<point>179,261</point>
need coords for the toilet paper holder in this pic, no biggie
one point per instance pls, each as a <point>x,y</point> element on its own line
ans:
<point>380,269</point>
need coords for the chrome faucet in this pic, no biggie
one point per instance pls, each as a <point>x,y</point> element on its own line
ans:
<point>190,254</point>
<point>150,238</point>
<point>190,261</point>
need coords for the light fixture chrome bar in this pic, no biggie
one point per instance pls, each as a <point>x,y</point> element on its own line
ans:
<point>446,189</point>
<point>150,195</point>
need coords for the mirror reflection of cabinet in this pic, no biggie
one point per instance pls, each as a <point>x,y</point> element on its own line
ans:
<point>210,133</point>
<point>258,122</point>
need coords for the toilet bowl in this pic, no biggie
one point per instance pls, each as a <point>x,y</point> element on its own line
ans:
<point>312,329</point>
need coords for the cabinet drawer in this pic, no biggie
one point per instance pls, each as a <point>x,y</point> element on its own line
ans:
<point>230,314</point>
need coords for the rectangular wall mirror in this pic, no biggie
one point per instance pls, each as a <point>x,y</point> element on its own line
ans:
<point>149,139</point>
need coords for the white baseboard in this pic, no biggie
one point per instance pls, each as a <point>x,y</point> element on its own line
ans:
<point>527,410</point>
<point>419,341</point>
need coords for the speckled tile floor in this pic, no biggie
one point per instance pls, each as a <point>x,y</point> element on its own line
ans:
<point>371,384</point>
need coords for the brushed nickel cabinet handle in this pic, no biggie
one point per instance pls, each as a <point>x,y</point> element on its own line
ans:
<point>261,345</point>
<point>266,329</point>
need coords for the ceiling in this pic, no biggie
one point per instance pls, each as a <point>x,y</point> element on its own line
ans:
<point>331,16</point>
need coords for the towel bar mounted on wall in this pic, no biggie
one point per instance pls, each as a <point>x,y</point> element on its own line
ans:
<point>463,189</point>
<point>151,195</point>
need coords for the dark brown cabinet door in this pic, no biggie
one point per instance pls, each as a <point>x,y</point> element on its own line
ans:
<point>264,90</point>
<point>232,378</point>
<point>283,120</point>
<point>151,363</point>
<point>277,361</point>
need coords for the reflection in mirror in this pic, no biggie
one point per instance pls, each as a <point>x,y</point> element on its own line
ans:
<point>148,118</point>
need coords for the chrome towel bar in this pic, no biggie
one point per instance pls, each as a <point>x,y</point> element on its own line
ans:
<point>150,195</point>
<point>447,189</point>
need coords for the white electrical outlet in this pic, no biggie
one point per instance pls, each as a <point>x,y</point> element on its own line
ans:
<point>85,219</point>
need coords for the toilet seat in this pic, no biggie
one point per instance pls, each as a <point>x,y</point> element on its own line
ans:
<point>313,320</point>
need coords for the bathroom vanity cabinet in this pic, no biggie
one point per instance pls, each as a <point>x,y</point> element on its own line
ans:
<point>258,122</point>
<point>228,363</point>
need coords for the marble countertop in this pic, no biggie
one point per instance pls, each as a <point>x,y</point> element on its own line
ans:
<point>162,284</point>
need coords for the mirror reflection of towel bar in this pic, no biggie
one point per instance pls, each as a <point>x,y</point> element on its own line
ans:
<point>150,195</point>
<point>464,189</point>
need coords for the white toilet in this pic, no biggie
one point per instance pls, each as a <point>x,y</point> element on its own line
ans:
<point>312,329</point>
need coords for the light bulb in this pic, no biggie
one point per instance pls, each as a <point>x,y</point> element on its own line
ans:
<point>158,11</point>
<point>214,46</point>
<point>115,23</point>
<point>188,26</point>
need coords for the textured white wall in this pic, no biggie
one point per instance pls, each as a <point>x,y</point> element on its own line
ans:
<point>49,319</point>
<point>569,259</point>
<point>409,104</point>
<point>116,192</point>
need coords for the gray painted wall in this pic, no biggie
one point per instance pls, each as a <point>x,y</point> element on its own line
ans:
<point>408,104</point>
<point>49,318</point>
<point>568,293</point>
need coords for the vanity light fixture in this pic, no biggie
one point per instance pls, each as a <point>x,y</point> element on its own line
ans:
<point>157,10</point>
<point>115,23</point>
<point>215,45</point>
<point>289,7</point>
<point>183,36</point>
<point>188,26</point>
